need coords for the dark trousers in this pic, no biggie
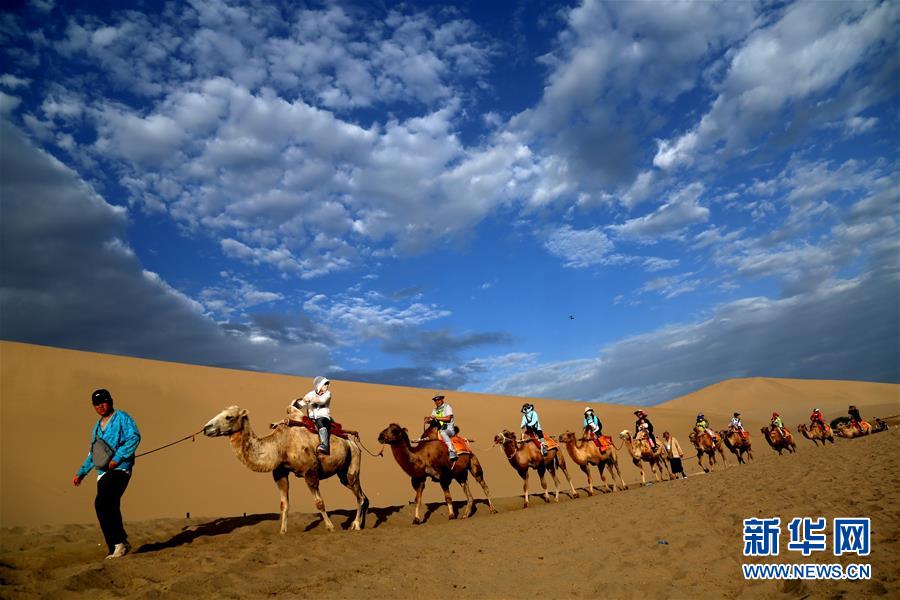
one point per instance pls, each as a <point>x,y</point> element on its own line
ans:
<point>110,488</point>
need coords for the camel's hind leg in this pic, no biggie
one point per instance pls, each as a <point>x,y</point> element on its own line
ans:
<point>606,489</point>
<point>552,469</point>
<point>470,501</point>
<point>542,471</point>
<point>445,485</point>
<point>312,481</point>
<point>281,480</point>
<point>478,473</point>
<point>350,478</point>
<point>619,474</point>
<point>565,470</point>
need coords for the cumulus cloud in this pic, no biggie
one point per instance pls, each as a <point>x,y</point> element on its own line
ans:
<point>805,53</point>
<point>682,210</point>
<point>70,281</point>
<point>579,248</point>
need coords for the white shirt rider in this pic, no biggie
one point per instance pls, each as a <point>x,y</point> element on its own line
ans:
<point>318,400</point>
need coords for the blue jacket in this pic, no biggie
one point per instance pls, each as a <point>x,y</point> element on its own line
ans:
<point>123,437</point>
<point>530,419</point>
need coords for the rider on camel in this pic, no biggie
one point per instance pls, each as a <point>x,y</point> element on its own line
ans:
<point>736,424</point>
<point>443,416</point>
<point>592,425</point>
<point>703,425</point>
<point>855,419</point>
<point>531,425</point>
<point>817,418</point>
<point>777,424</point>
<point>318,402</point>
<point>644,423</point>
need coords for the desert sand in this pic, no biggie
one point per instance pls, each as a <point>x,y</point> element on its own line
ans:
<point>606,545</point>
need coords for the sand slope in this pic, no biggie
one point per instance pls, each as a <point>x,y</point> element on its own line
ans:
<point>46,418</point>
<point>608,546</point>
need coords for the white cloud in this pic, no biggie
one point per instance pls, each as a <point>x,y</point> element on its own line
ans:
<point>682,210</point>
<point>810,49</point>
<point>579,248</point>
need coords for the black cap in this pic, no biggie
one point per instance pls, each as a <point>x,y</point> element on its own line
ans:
<point>100,396</point>
<point>438,397</point>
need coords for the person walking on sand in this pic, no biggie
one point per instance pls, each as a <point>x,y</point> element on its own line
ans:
<point>114,440</point>
<point>673,448</point>
<point>531,425</point>
<point>443,416</point>
<point>318,400</point>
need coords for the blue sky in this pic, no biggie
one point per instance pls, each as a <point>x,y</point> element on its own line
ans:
<point>616,202</point>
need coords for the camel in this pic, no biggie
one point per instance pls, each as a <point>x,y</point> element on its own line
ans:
<point>429,459</point>
<point>523,456</point>
<point>585,452</point>
<point>779,443</point>
<point>816,434</point>
<point>293,450</point>
<point>737,443</point>
<point>639,448</point>
<point>856,430</point>
<point>705,446</point>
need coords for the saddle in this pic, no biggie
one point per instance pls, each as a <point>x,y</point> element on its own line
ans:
<point>603,442</point>
<point>551,443</point>
<point>461,444</point>
<point>334,429</point>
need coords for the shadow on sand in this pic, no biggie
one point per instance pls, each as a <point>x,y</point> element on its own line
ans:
<point>216,527</point>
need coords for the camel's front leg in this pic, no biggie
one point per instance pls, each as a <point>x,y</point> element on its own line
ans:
<point>312,480</point>
<point>281,480</point>
<point>419,486</point>
<point>565,471</point>
<point>619,474</point>
<point>587,472</point>
<point>606,488</point>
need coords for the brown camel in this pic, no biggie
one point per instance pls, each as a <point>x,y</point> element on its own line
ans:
<point>639,448</point>
<point>526,455</point>
<point>293,450</point>
<point>816,434</point>
<point>585,453</point>
<point>855,430</point>
<point>429,459</point>
<point>737,443</point>
<point>706,446</point>
<point>779,443</point>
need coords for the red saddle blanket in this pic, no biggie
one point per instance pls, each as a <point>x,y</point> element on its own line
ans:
<point>551,443</point>
<point>461,444</point>
<point>335,429</point>
<point>603,442</point>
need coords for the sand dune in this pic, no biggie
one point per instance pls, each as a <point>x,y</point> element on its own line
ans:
<point>46,419</point>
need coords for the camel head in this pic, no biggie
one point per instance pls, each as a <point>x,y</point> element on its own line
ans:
<point>567,437</point>
<point>393,434</point>
<point>504,436</point>
<point>625,435</point>
<point>226,422</point>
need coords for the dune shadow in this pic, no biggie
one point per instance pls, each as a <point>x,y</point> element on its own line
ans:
<point>219,526</point>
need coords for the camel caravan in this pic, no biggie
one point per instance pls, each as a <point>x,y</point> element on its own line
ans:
<point>309,444</point>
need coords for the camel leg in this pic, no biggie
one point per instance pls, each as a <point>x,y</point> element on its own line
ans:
<point>445,485</point>
<point>350,479</point>
<point>606,488</point>
<point>619,473</point>
<point>419,486</point>
<point>565,470</point>
<point>281,480</point>
<point>525,486</point>
<point>470,500</point>
<point>312,481</point>
<point>478,473</point>
<point>541,476</point>
<point>555,480</point>
<point>587,472</point>
<point>640,465</point>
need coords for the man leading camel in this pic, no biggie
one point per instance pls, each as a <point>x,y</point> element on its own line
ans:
<point>443,414</point>
<point>675,454</point>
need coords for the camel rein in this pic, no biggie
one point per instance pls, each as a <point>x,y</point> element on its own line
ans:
<point>184,439</point>
<point>361,445</point>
